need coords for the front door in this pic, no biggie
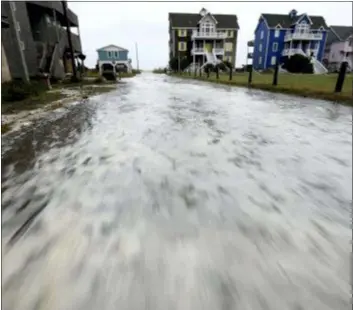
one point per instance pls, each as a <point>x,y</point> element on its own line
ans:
<point>208,47</point>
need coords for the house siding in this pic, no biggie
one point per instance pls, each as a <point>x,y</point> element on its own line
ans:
<point>280,41</point>
<point>103,55</point>
<point>257,54</point>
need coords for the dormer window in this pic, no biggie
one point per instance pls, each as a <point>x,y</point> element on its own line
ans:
<point>207,27</point>
<point>302,28</point>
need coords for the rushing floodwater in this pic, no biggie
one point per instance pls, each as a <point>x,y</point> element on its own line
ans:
<point>180,195</point>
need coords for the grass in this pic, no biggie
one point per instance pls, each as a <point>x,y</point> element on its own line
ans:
<point>305,85</point>
<point>30,103</point>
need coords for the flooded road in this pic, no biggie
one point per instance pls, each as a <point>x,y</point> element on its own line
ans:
<point>180,195</point>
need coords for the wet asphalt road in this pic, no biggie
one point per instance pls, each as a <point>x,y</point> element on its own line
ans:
<point>180,195</point>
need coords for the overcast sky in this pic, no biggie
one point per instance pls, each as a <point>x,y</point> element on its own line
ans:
<point>124,23</point>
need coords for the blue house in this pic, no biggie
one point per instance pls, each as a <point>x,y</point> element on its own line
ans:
<point>281,35</point>
<point>113,58</point>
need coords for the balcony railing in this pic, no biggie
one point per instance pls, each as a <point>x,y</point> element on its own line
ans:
<point>198,51</point>
<point>290,52</point>
<point>208,35</point>
<point>203,51</point>
<point>302,36</point>
<point>218,51</point>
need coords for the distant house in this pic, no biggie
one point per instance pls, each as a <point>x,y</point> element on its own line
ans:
<point>339,47</point>
<point>203,37</point>
<point>283,35</point>
<point>113,58</point>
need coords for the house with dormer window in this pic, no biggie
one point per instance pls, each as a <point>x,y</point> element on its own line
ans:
<point>283,35</point>
<point>113,58</point>
<point>204,37</point>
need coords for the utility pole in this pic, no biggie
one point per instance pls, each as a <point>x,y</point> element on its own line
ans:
<point>74,73</point>
<point>137,57</point>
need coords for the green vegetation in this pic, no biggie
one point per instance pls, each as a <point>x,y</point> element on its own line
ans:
<point>298,64</point>
<point>305,85</point>
<point>159,70</point>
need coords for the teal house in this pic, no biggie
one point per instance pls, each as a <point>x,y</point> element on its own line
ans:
<point>113,58</point>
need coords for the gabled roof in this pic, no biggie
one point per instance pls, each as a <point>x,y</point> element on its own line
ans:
<point>208,14</point>
<point>343,32</point>
<point>286,21</point>
<point>191,20</point>
<point>338,34</point>
<point>112,46</point>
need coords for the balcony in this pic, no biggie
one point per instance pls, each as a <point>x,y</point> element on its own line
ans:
<point>198,51</point>
<point>218,51</point>
<point>290,52</point>
<point>208,35</point>
<point>203,51</point>
<point>302,36</point>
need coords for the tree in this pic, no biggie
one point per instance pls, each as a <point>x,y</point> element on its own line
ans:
<point>184,63</point>
<point>174,64</point>
<point>298,64</point>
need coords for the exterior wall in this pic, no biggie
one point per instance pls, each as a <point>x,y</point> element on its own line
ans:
<point>340,51</point>
<point>103,55</point>
<point>257,41</point>
<point>280,41</point>
<point>5,71</point>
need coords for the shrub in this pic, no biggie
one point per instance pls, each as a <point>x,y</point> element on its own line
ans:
<point>18,90</point>
<point>228,64</point>
<point>135,71</point>
<point>99,80</point>
<point>298,64</point>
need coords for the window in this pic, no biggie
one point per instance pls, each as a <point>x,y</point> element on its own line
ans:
<point>302,28</point>
<point>273,60</point>
<point>207,27</point>
<point>182,32</point>
<point>229,33</point>
<point>228,46</point>
<point>182,46</point>
<point>260,60</point>
<point>47,19</point>
<point>275,47</point>
<point>116,54</point>
<point>262,34</point>
<point>109,54</point>
<point>260,47</point>
<point>350,42</point>
<point>276,33</point>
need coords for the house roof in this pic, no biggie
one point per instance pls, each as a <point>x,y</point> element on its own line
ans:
<point>112,45</point>
<point>337,34</point>
<point>285,20</point>
<point>191,20</point>
<point>343,32</point>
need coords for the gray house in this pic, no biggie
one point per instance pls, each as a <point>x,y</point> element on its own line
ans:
<point>34,39</point>
<point>203,37</point>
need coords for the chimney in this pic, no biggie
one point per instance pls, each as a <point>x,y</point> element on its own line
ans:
<point>203,12</point>
<point>293,13</point>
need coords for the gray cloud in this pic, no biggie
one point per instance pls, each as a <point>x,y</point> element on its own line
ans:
<point>124,23</point>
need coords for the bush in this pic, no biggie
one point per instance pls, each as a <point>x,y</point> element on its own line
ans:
<point>209,68</point>
<point>228,64</point>
<point>99,80</point>
<point>298,64</point>
<point>221,66</point>
<point>135,71</point>
<point>18,90</point>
